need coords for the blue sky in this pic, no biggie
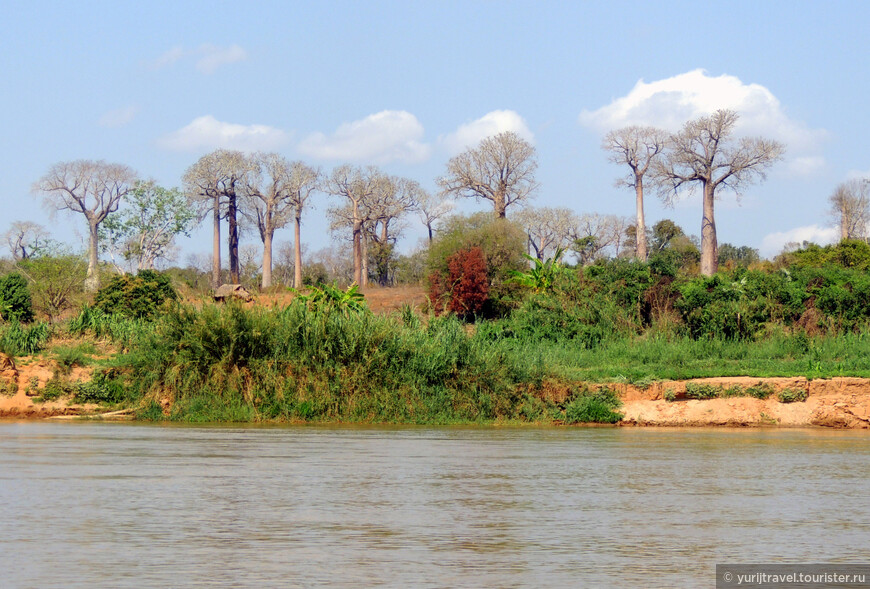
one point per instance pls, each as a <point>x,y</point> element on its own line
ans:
<point>405,85</point>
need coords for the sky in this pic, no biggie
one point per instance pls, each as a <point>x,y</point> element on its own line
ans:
<point>407,85</point>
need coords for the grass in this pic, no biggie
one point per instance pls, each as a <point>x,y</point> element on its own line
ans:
<point>316,363</point>
<point>636,358</point>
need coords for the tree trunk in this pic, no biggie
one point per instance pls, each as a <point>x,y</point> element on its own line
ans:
<point>499,205</point>
<point>357,252</point>
<point>640,236</point>
<point>232,217</point>
<point>92,280</point>
<point>267,258</point>
<point>709,246</point>
<point>429,227</point>
<point>216,247</point>
<point>297,252</point>
<point>364,256</point>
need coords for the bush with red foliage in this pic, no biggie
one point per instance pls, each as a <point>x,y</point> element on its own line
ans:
<point>468,281</point>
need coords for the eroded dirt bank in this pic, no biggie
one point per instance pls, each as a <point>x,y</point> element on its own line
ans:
<point>834,402</point>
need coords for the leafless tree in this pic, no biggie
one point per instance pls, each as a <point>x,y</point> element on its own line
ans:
<point>547,228</point>
<point>91,188</point>
<point>636,147</point>
<point>597,236</point>
<point>501,169</point>
<point>214,182</point>
<point>702,153</point>
<point>850,207</point>
<point>276,191</point>
<point>24,238</point>
<point>431,207</point>
<point>358,186</point>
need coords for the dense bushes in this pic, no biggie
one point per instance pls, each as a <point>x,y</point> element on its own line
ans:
<point>139,296</point>
<point>15,302</point>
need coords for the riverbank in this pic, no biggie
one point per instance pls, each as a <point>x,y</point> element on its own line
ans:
<point>842,403</point>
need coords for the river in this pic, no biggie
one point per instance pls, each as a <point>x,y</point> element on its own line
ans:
<point>130,505</point>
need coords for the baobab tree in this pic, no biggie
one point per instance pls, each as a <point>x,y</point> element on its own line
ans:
<point>431,207</point>
<point>93,189</point>
<point>850,207</point>
<point>357,185</point>
<point>501,169</point>
<point>275,191</point>
<point>703,153</point>
<point>214,183</point>
<point>393,199</point>
<point>637,147</point>
<point>24,238</point>
<point>547,228</point>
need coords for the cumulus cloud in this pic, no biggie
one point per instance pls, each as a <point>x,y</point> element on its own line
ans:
<point>387,136</point>
<point>773,243</point>
<point>208,57</point>
<point>206,133</point>
<point>492,123</point>
<point>671,102</point>
<point>118,117</point>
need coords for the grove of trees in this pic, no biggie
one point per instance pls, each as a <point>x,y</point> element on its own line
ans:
<point>135,222</point>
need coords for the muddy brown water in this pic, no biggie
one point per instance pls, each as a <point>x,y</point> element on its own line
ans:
<point>128,505</point>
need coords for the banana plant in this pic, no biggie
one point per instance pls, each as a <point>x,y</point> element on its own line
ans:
<point>542,276</point>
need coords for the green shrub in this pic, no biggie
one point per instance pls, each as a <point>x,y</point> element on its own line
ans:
<point>15,301</point>
<point>792,395</point>
<point>102,388</point>
<point>594,407</point>
<point>56,388</point>
<point>760,391</point>
<point>139,296</point>
<point>8,388</point>
<point>702,391</point>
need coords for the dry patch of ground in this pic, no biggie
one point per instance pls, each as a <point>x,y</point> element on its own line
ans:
<point>834,402</point>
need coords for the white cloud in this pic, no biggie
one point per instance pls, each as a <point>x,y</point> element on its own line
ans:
<point>858,175</point>
<point>671,102</point>
<point>168,58</point>
<point>206,133</point>
<point>118,117</point>
<point>390,135</point>
<point>492,123</point>
<point>212,57</point>
<point>208,57</point>
<point>807,165</point>
<point>773,243</point>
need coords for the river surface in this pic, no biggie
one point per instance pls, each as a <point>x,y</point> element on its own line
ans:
<point>126,505</point>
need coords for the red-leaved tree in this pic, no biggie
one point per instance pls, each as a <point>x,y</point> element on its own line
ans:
<point>468,282</point>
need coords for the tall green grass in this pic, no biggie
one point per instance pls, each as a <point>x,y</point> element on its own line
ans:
<point>298,363</point>
<point>18,340</point>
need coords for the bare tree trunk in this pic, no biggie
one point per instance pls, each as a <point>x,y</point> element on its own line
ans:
<point>640,236</point>
<point>709,246</point>
<point>232,216</point>
<point>267,259</point>
<point>364,256</point>
<point>92,280</point>
<point>357,252</point>
<point>429,227</point>
<point>297,253</point>
<point>216,247</point>
<point>499,204</point>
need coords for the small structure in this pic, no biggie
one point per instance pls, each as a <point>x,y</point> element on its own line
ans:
<point>232,291</point>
